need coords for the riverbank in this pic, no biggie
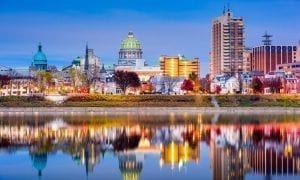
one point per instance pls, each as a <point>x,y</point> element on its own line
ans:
<point>122,101</point>
<point>144,110</point>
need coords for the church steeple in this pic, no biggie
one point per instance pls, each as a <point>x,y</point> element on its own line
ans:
<point>86,62</point>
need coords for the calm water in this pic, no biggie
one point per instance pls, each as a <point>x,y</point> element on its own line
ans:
<point>184,146</point>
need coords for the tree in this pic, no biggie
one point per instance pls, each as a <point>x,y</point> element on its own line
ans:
<point>274,84</point>
<point>90,77</point>
<point>257,85</point>
<point>147,87</point>
<point>193,76</point>
<point>76,77</point>
<point>218,89</point>
<point>43,80</point>
<point>205,84</point>
<point>126,79</point>
<point>187,85</point>
<point>4,80</point>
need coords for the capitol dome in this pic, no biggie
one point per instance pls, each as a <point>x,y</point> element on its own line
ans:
<point>39,59</point>
<point>130,51</point>
<point>130,42</point>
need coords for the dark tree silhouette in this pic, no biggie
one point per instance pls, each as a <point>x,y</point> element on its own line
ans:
<point>274,84</point>
<point>125,142</point>
<point>4,80</point>
<point>257,85</point>
<point>126,79</point>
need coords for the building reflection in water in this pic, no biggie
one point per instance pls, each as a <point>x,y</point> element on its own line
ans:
<point>235,150</point>
<point>266,150</point>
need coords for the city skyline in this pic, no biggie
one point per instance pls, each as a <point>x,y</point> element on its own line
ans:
<point>64,28</point>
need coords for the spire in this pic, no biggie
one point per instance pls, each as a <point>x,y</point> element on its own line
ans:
<point>86,62</point>
<point>228,7</point>
<point>40,47</point>
<point>224,9</point>
<point>86,47</point>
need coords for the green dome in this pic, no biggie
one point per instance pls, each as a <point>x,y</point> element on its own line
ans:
<point>40,57</point>
<point>130,42</point>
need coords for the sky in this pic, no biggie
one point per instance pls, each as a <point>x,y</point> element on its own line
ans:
<point>164,27</point>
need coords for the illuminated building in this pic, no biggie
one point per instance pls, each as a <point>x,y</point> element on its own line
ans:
<point>179,66</point>
<point>144,72</point>
<point>227,45</point>
<point>131,59</point>
<point>130,53</point>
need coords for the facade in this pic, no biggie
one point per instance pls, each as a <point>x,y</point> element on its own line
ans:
<point>39,60</point>
<point>228,85</point>
<point>130,53</point>
<point>227,45</point>
<point>18,86</point>
<point>247,60</point>
<point>246,80</point>
<point>266,58</point>
<point>144,73</point>
<point>20,82</point>
<point>179,66</point>
<point>290,68</point>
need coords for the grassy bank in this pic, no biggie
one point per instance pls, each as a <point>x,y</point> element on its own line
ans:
<point>274,100</point>
<point>156,101</point>
<point>138,101</point>
<point>24,101</point>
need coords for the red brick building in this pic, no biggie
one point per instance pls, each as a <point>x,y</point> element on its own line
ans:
<point>265,58</point>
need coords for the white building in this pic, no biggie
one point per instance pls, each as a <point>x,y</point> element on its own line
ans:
<point>228,85</point>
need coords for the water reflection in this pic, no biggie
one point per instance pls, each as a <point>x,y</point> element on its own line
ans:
<point>267,148</point>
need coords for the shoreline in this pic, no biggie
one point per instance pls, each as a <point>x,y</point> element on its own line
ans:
<point>145,110</point>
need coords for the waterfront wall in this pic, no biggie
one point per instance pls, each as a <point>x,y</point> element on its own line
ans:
<point>147,110</point>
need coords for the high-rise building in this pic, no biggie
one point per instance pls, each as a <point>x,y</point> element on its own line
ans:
<point>227,44</point>
<point>179,66</point>
<point>131,53</point>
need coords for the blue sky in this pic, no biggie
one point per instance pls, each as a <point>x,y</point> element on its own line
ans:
<point>168,27</point>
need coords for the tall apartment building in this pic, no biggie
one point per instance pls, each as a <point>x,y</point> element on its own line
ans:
<point>179,66</point>
<point>227,44</point>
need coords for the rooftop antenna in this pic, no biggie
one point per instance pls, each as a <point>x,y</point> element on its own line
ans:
<point>224,9</point>
<point>267,41</point>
